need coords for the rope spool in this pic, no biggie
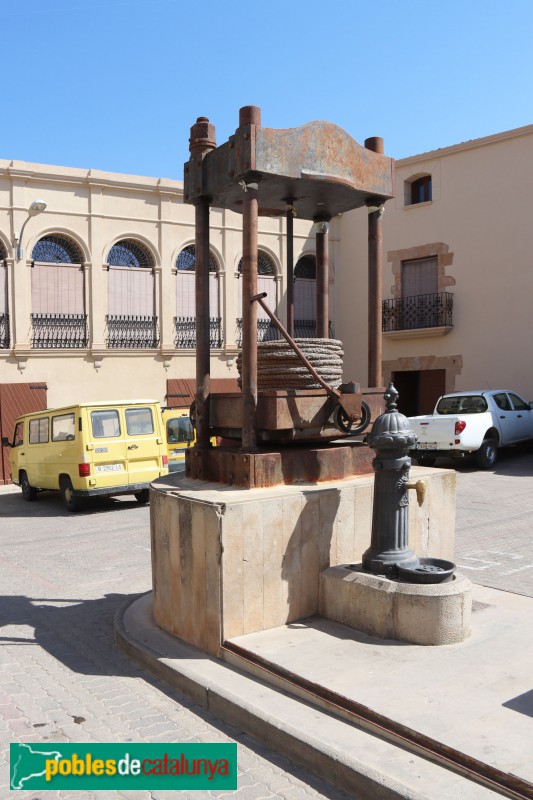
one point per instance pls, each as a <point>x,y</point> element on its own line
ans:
<point>278,366</point>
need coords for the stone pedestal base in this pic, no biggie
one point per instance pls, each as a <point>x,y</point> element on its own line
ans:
<point>226,562</point>
<point>437,613</point>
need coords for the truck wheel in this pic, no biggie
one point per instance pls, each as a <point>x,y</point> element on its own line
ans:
<point>143,496</point>
<point>29,493</point>
<point>72,502</point>
<point>487,454</point>
<point>344,424</point>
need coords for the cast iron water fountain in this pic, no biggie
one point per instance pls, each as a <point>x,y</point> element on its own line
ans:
<point>389,553</point>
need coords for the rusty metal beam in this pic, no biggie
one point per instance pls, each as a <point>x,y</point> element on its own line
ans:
<point>202,141</point>
<point>249,317</point>
<point>290,267</point>
<point>322,280</point>
<point>375,279</point>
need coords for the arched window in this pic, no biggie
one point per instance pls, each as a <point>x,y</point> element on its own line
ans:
<point>131,319</point>
<point>418,190</point>
<point>305,297</point>
<point>4,315</point>
<point>266,282</point>
<point>58,294</point>
<point>185,321</point>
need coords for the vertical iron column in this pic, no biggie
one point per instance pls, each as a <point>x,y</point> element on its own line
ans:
<point>290,268</point>
<point>249,317</point>
<point>322,279</point>
<point>203,367</point>
<point>375,288</point>
<point>202,141</point>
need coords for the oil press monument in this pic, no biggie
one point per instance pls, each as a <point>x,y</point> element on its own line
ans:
<point>240,543</point>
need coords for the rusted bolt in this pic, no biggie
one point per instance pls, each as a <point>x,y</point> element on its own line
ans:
<point>231,173</point>
<point>246,136</point>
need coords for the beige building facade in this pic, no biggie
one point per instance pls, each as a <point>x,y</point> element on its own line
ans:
<point>457,272</point>
<point>97,287</point>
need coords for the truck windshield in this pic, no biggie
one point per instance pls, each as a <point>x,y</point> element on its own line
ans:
<point>470,404</point>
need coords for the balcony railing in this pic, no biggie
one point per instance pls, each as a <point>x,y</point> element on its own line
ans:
<point>132,331</point>
<point>418,311</point>
<point>185,332</point>
<point>4,330</point>
<point>59,331</point>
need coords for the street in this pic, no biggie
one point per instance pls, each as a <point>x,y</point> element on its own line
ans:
<point>65,575</point>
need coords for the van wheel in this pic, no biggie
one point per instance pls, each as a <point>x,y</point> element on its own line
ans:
<point>143,496</point>
<point>487,454</point>
<point>72,502</point>
<point>29,493</point>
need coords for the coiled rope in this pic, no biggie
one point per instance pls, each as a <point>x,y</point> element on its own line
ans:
<point>278,366</point>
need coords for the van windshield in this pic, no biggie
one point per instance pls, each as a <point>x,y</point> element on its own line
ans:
<point>179,430</point>
<point>469,404</point>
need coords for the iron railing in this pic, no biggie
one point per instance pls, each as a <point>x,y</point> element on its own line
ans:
<point>305,328</point>
<point>267,331</point>
<point>185,332</point>
<point>59,331</point>
<point>418,311</point>
<point>4,330</point>
<point>127,331</point>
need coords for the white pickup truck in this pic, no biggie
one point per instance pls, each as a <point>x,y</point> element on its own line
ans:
<point>472,422</point>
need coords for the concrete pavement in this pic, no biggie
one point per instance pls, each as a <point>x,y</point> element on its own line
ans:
<point>65,577</point>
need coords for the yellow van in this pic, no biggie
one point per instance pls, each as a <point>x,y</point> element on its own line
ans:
<point>180,434</point>
<point>89,449</point>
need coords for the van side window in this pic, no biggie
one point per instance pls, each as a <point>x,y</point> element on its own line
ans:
<point>105,424</point>
<point>139,421</point>
<point>18,437</point>
<point>39,429</point>
<point>63,428</point>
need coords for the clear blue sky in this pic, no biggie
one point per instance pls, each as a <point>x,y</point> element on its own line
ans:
<point>116,84</point>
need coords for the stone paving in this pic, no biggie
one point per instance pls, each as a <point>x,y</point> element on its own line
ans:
<point>65,575</point>
<point>61,676</point>
<point>494,521</point>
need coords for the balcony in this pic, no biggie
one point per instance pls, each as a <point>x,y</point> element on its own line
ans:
<point>4,331</point>
<point>185,332</point>
<point>421,314</point>
<point>63,331</point>
<point>132,332</point>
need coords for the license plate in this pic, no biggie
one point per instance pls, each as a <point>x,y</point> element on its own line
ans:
<point>426,445</point>
<point>109,468</point>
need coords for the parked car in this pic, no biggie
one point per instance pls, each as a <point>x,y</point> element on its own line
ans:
<point>89,449</point>
<point>476,422</point>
